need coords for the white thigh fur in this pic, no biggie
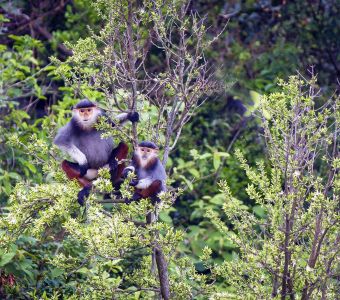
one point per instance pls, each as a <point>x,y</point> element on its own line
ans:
<point>91,174</point>
<point>75,153</point>
<point>144,183</point>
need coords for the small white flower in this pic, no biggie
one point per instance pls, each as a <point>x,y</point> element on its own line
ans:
<point>296,173</point>
<point>309,269</point>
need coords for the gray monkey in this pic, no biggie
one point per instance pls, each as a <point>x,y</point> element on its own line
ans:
<point>83,143</point>
<point>150,173</point>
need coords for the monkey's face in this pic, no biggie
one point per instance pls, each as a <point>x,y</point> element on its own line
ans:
<point>146,156</point>
<point>86,116</point>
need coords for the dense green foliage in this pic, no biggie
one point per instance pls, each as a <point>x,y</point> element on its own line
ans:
<point>256,223</point>
<point>290,245</point>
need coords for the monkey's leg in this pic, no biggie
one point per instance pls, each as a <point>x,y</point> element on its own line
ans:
<point>152,190</point>
<point>73,172</point>
<point>71,169</point>
<point>116,170</point>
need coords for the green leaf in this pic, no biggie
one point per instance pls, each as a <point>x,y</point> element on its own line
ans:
<point>83,270</point>
<point>28,273</point>
<point>164,216</point>
<point>256,99</point>
<point>6,258</point>
<point>194,173</point>
<point>205,156</point>
<point>56,272</point>
<point>188,182</point>
<point>194,230</point>
<point>259,211</point>
<point>216,160</point>
<point>223,154</point>
<point>15,176</point>
<point>31,167</point>
<point>3,19</point>
<point>196,214</point>
<point>218,199</point>
<point>197,247</point>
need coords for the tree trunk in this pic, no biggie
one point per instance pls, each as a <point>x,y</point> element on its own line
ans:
<point>162,267</point>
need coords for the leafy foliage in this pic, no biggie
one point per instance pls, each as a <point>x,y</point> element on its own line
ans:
<point>289,245</point>
<point>263,41</point>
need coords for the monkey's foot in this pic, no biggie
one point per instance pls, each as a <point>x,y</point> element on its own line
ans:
<point>72,171</point>
<point>127,201</point>
<point>83,194</point>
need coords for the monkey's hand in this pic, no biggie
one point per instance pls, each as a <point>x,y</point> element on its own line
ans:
<point>127,171</point>
<point>83,169</point>
<point>133,182</point>
<point>133,117</point>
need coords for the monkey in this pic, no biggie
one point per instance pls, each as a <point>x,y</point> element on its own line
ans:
<point>150,173</point>
<point>83,143</point>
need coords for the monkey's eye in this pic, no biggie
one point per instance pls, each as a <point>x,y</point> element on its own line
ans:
<point>148,150</point>
<point>82,110</point>
<point>89,110</point>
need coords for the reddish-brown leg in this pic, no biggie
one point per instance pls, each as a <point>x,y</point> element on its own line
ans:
<point>152,190</point>
<point>72,172</point>
<point>119,153</point>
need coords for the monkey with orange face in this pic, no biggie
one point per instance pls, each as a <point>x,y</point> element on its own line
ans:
<point>150,173</point>
<point>83,143</point>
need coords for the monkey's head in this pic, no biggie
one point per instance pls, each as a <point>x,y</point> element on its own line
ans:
<point>146,154</point>
<point>85,113</point>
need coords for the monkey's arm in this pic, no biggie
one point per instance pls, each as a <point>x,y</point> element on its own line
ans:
<point>78,157</point>
<point>131,116</point>
<point>75,154</point>
<point>64,142</point>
